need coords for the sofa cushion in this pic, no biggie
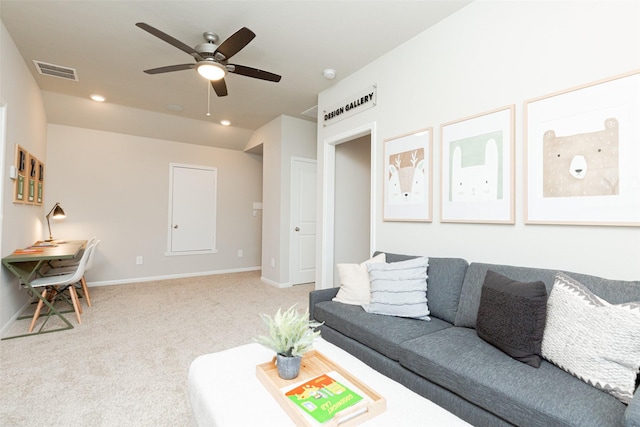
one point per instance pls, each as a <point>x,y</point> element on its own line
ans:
<point>399,288</point>
<point>381,333</point>
<point>512,316</point>
<point>444,284</point>
<point>596,341</point>
<point>354,282</point>
<point>613,291</point>
<point>460,361</point>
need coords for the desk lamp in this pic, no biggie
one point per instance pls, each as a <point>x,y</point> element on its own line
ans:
<point>58,213</point>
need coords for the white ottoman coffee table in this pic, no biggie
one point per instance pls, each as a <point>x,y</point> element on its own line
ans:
<point>224,391</point>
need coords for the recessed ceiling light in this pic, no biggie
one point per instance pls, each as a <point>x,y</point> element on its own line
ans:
<point>98,98</point>
<point>225,122</point>
<point>175,107</point>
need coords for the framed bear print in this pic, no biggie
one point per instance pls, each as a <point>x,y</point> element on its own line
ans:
<point>408,174</point>
<point>477,168</point>
<point>582,151</point>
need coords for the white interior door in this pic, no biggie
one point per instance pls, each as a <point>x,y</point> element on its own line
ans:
<point>193,209</point>
<point>303,221</point>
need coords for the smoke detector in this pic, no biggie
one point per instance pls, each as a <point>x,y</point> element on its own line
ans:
<point>329,73</point>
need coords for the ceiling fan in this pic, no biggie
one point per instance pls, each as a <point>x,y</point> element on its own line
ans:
<point>212,59</point>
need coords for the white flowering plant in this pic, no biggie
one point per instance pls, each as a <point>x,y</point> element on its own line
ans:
<point>291,333</point>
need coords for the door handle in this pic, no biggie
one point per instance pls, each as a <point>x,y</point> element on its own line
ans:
<point>175,226</point>
<point>297,228</point>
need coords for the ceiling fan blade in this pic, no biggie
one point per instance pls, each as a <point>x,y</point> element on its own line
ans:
<point>170,68</point>
<point>255,73</point>
<point>236,42</point>
<point>220,87</point>
<point>167,38</point>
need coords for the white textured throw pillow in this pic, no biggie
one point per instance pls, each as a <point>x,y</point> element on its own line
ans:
<point>354,282</point>
<point>399,289</point>
<point>592,339</point>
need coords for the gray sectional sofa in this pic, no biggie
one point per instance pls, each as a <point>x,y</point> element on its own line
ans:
<point>445,360</point>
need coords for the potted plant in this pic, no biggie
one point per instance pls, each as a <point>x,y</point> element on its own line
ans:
<point>291,334</point>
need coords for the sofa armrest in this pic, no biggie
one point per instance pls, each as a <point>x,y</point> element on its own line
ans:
<point>319,296</point>
<point>632,413</point>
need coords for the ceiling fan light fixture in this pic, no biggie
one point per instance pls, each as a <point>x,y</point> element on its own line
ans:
<point>211,70</point>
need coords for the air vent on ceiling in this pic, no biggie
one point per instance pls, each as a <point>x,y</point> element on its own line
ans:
<point>56,70</point>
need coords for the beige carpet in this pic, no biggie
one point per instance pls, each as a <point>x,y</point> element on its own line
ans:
<point>127,363</point>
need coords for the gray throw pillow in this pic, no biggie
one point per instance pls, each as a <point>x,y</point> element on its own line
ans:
<point>399,288</point>
<point>512,316</point>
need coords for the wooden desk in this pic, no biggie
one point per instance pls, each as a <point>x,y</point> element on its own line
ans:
<point>25,264</point>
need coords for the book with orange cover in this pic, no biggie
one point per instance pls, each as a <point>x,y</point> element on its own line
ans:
<point>27,251</point>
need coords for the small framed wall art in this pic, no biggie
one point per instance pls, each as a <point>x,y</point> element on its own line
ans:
<point>408,176</point>
<point>582,151</point>
<point>22,160</point>
<point>31,179</point>
<point>478,168</point>
<point>40,183</point>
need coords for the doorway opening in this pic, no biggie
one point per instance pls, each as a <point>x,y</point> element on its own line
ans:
<point>349,201</point>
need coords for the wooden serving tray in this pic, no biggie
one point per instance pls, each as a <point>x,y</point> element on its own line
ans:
<point>312,365</point>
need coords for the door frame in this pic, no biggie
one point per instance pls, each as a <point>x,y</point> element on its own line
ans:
<point>3,148</point>
<point>328,198</point>
<point>295,159</point>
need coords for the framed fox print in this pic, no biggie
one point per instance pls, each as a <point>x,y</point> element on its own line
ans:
<point>407,175</point>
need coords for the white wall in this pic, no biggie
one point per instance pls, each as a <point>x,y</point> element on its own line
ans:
<point>282,138</point>
<point>488,55</point>
<point>116,187</point>
<point>26,125</point>
<point>270,136</point>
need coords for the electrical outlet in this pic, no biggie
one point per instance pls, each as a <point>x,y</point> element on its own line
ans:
<point>240,253</point>
<point>273,262</point>
<point>139,259</point>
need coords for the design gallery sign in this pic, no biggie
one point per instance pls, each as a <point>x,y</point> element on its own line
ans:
<point>355,104</point>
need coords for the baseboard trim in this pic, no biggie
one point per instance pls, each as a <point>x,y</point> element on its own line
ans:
<point>171,276</point>
<point>275,284</point>
<point>6,326</point>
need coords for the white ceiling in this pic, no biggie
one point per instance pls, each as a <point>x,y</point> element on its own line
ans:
<point>296,39</point>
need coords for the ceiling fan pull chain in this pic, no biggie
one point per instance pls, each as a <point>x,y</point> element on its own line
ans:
<point>208,99</point>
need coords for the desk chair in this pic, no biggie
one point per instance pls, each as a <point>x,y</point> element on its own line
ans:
<point>60,283</point>
<point>56,271</point>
